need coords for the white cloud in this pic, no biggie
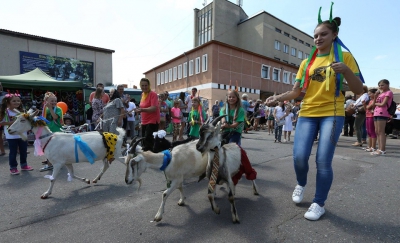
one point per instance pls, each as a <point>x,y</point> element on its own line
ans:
<point>380,57</point>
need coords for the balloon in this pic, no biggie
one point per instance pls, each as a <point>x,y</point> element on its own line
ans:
<point>63,107</point>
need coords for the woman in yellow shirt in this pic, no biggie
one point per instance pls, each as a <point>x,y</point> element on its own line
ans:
<point>320,76</point>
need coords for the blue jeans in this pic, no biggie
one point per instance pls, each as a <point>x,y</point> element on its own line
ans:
<point>278,132</point>
<point>13,144</point>
<point>306,131</point>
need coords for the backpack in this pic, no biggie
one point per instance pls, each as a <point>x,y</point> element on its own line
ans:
<point>392,108</point>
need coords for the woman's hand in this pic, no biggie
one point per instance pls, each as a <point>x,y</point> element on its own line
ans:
<point>138,110</point>
<point>377,93</point>
<point>225,125</point>
<point>271,99</point>
<point>340,67</point>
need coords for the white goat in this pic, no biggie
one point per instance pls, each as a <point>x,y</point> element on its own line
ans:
<point>233,162</point>
<point>59,148</point>
<point>186,162</point>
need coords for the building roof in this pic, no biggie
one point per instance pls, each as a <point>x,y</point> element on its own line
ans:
<point>55,41</point>
<point>264,12</point>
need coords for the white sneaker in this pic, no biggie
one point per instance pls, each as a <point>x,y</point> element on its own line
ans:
<point>284,140</point>
<point>298,194</point>
<point>314,212</point>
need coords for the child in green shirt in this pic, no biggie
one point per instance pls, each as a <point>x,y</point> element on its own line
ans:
<point>196,118</point>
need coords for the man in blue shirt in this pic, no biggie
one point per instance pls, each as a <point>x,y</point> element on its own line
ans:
<point>221,104</point>
<point>245,103</point>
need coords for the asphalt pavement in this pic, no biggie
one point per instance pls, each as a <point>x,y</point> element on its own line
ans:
<point>363,204</point>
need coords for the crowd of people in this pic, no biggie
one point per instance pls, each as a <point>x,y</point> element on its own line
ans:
<point>319,116</point>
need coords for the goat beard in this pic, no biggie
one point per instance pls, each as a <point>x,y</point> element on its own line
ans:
<point>23,136</point>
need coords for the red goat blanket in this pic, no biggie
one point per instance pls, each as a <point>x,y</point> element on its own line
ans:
<point>245,168</point>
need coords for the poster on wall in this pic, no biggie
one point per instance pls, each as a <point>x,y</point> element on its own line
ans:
<point>59,68</point>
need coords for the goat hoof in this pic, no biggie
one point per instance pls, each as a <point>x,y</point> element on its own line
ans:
<point>44,196</point>
<point>217,210</point>
<point>94,181</point>
<point>156,219</point>
<point>236,221</point>
<point>181,203</point>
<point>256,193</point>
<point>87,181</point>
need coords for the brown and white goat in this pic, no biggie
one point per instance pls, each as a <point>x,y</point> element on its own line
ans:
<point>233,162</point>
<point>59,148</point>
<point>186,162</point>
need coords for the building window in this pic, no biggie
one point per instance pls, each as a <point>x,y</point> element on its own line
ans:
<point>302,42</point>
<point>175,76</point>
<point>180,71</point>
<point>306,55</point>
<point>158,79</point>
<point>278,30</point>
<point>285,48</point>
<point>285,61</point>
<point>190,67</point>
<point>300,54</point>
<point>286,34</point>
<point>286,77</point>
<point>197,65</point>
<point>294,78</point>
<point>294,64</point>
<point>277,45</point>
<point>294,38</point>
<point>275,74</point>
<point>166,76</point>
<point>308,44</point>
<point>204,27</point>
<point>265,71</point>
<point>276,58</point>
<point>162,77</point>
<point>204,63</point>
<point>170,75</point>
<point>185,69</point>
<point>293,52</point>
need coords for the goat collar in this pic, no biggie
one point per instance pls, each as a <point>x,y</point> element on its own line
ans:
<point>166,160</point>
<point>213,150</point>
<point>44,147</point>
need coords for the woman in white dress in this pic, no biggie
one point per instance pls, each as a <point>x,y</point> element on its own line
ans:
<point>288,127</point>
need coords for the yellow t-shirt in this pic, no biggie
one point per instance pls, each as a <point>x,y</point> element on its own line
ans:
<point>319,102</point>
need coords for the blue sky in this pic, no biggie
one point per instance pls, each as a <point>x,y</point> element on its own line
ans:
<point>147,33</point>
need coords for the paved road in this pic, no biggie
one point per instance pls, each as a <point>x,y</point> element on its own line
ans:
<point>363,205</point>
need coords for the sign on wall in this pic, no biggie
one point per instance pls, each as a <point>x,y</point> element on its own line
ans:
<point>59,68</point>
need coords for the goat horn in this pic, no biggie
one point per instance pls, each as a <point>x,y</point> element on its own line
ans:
<point>133,148</point>
<point>216,120</point>
<point>208,120</point>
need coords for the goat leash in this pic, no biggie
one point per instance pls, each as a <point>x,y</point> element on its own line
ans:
<point>214,173</point>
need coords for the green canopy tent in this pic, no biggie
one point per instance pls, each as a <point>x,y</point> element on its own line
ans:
<point>37,79</point>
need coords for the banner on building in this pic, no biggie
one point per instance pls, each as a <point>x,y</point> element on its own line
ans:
<point>59,68</point>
